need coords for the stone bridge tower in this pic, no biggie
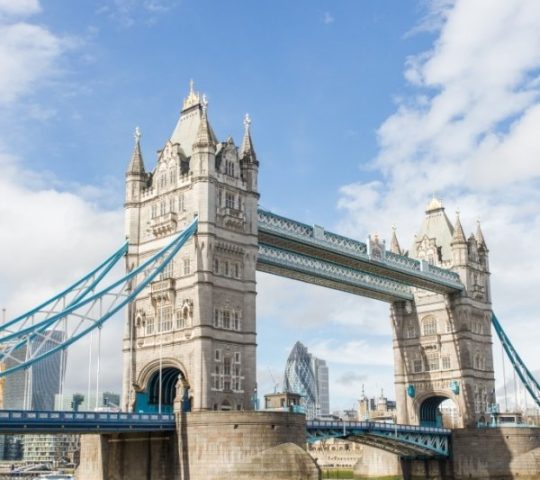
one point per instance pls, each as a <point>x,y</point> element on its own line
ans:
<point>190,336</point>
<point>443,343</point>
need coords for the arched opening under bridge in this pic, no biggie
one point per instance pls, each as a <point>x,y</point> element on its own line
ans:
<point>439,411</point>
<point>162,390</point>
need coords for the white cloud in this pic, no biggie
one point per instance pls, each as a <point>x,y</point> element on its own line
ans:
<point>298,305</point>
<point>328,18</point>
<point>127,13</point>
<point>469,133</point>
<point>50,238</point>
<point>354,352</point>
<point>28,55</point>
<point>19,7</point>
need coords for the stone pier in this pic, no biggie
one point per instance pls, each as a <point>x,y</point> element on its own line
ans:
<point>207,446</point>
<point>479,454</point>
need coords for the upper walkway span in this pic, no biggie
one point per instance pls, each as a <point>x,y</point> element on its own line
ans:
<point>295,250</point>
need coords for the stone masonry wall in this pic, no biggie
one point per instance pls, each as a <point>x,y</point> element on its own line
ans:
<point>207,446</point>
<point>496,453</point>
<point>254,445</point>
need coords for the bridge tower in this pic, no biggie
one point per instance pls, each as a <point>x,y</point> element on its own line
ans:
<point>189,338</point>
<point>443,343</point>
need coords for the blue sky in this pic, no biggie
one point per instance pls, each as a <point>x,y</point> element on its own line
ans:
<point>360,111</point>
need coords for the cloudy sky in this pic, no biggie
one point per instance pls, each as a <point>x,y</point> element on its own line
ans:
<point>361,110</point>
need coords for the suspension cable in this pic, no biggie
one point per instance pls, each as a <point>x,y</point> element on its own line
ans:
<point>98,366</point>
<point>160,326</point>
<point>89,370</point>
<point>504,379</point>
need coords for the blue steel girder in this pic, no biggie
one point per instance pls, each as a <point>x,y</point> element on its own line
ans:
<point>525,375</point>
<point>290,235</point>
<point>407,441</point>
<point>89,312</point>
<point>27,421</point>
<point>316,271</point>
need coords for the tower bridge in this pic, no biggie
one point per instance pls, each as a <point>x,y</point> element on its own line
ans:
<point>196,238</point>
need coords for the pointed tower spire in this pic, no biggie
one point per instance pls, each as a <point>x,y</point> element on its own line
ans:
<point>480,236</point>
<point>247,151</point>
<point>394,244</point>
<point>136,164</point>
<point>205,136</point>
<point>459,234</point>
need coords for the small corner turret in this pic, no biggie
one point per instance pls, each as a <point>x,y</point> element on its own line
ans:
<point>248,158</point>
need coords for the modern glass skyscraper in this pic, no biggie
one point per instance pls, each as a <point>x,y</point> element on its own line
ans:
<point>34,388</point>
<point>321,375</point>
<point>307,375</point>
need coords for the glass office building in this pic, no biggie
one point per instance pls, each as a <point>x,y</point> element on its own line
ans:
<point>307,375</point>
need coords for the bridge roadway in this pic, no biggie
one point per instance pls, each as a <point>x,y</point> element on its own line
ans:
<point>406,440</point>
<point>311,254</point>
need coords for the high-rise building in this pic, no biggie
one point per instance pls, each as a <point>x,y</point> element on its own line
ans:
<point>35,388</point>
<point>307,375</point>
<point>32,388</point>
<point>321,376</point>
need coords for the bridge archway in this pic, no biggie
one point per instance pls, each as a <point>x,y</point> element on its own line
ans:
<point>164,390</point>
<point>439,411</point>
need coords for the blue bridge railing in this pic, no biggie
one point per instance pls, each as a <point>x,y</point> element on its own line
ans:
<point>26,421</point>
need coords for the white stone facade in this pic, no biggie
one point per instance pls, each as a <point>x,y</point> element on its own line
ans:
<point>443,343</point>
<point>199,316</point>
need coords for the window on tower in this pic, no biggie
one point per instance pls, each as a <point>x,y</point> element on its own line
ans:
<point>149,325</point>
<point>432,362</point>
<point>446,362</point>
<point>429,326</point>
<point>226,319</point>
<point>181,203</point>
<point>227,366</point>
<point>229,200</point>
<point>168,271</point>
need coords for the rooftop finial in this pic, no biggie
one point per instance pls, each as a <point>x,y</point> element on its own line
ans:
<point>136,165</point>
<point>247,122</point>
<point>193,97</point>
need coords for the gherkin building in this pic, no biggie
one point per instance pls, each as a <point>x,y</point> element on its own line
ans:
<point>300,378</point>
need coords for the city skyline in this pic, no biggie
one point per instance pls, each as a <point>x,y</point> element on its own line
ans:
<point>360,112</point>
